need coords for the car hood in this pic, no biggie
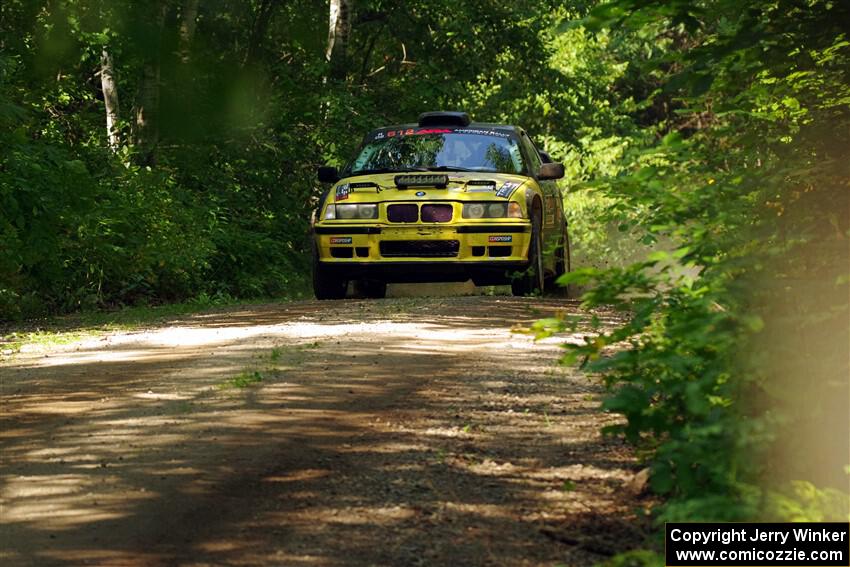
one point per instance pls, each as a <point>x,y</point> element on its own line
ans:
<point>461,186</point>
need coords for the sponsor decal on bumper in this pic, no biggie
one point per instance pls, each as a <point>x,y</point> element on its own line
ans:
<point>502,238</point>
<point>340,240</point>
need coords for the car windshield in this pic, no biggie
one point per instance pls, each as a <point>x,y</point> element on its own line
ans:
<point>432,149</point>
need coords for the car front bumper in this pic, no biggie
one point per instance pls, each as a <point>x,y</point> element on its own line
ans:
<point>483,251</point>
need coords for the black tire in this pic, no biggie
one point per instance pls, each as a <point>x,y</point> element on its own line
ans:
<point>569,289</point>
<point>562,264</point>
<point>371,289</point>
<point>325,284</point>
<point>531,281</point>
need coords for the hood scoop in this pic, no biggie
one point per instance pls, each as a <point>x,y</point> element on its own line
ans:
<point>480,186</point>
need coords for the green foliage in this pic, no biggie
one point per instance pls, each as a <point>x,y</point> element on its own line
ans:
<point>212,194</point>
<point>222,213</point>
<point>804,502</point>
<point>637,558</point>
<point>81,233</point>
<point>737,167</point>
<point>244,379</point>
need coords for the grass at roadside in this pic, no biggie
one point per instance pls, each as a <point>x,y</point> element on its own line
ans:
<point>243,379</point>
<point>270,365</point>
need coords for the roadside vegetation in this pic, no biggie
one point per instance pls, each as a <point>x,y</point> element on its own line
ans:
<point>155,152</point>
<point>735,169</point>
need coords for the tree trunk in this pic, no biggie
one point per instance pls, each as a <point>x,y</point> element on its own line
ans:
<point>339,30</point>
<point>147,112</point>
<point>187,29</point>
<point>259,29</point>
<point>146,128</point>
<point>110,99</point>
<point>370,46</point>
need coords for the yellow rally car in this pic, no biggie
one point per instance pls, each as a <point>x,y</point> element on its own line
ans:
<point>445,199</point>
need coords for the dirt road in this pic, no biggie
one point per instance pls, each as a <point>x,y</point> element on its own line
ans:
<point>405,431</point>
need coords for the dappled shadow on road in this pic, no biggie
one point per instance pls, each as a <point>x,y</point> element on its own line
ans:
<point>372,433</point>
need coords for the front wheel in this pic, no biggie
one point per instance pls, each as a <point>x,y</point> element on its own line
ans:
<point>325,284</point>
<point>531,281</point>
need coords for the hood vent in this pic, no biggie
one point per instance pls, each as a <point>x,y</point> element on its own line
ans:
<point>363,185</point>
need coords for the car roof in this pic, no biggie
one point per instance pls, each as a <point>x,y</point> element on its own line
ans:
<point>471,126</point>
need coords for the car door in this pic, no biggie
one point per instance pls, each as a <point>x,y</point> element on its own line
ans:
<point>553,218</point>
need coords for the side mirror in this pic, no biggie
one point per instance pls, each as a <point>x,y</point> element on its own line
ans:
<point>544,156</point>
<point>328,174</point>
<point>552,170</point>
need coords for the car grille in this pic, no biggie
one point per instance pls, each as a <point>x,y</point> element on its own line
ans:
<point>409,212</point>
<point>403,213</point>
<point>436,213</point>
<point>420,248</point>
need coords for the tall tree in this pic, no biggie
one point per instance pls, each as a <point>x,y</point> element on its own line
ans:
<point>110,98</point>
<point>339,32</point>
<point>259,28</point>
<point>188,20</point>
<point>146,127</point>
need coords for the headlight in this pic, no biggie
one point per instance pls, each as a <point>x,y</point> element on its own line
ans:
<point>352,211</point>
<point>473,210</point>
<point>493,210</point>
<point>496,210</point>
<point>346,211</point>
<point>368,211</point>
